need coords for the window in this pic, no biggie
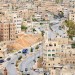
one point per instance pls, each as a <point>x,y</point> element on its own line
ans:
<point>55,44</point>
<point>53,50</point>
<point>48,64</point>
<point>46,45</point>
<point>49,54</point>
<point>50,44</point>
<point>49,50</point>
<point>14,17</point>
<point>53,54</point>
<point>73,62</point>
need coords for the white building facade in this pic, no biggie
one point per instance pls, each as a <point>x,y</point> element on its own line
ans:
<point>17,20</point>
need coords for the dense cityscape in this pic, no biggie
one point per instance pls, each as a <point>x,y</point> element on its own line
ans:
<point>37,37</point>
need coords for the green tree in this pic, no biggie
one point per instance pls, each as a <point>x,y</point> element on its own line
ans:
<point>41,23</point>
<point>20,58</point>
<point>59,1</point>
<point>34,19</point>
<point>37,47</point>
<point>42,33</point>
<point>33,29</point>
<point>73,45</point>
<point>24,28</point>
<point>71,25</point>
<point>31,50</point>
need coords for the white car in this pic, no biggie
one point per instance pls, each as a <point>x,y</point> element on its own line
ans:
<point>37,70</point>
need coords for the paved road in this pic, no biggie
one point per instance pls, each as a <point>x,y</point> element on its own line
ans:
<point>28,62</point>
<point>11,68</point>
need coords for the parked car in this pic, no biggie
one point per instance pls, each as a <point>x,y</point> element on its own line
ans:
<point>37,70</point>
<point>26,69</point>
<point>34,60</point>
<point>12,63</point>
<point>8,59</point>
<point>1,60</point>
<point>19,52</point>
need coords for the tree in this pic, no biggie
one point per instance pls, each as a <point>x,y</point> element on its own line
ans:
<point>24,28</point>
<point>16,63</point>
<point>59,1</point>
<point>71,25</point>
<point>41,23</point>
<point>33,29</point>
<point>31,50</point>
<point>34,19</point>
<point>20,58</point>
<point>37,47</point>
<point>73,45</point>
<point>42,33</point>
<point>43,19</point>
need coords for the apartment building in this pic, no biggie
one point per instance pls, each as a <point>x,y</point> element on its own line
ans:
<point>26,13</point>
<point>17,20</point>
<point>72,15</point>
<point>66,12</point>
<point>55,55</point>
<point>72,3</point>
<point>7,29</point>
<point>37,17</point>
<point>56,52</point>
<point>62,41</point>
<point>51,48</point>
<point>72,10</point>
<point>49,54</point>
<point>67,55</point>
<point>67,71</point>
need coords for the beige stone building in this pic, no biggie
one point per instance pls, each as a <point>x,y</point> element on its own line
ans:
<point>57,52</point>
<point>72,10</point>
<point>72,14</point>
<point>62,40</point>
<point>50,57</point>
<point>72,3</point>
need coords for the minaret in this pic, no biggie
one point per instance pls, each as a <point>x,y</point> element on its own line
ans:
<point>46,36</point>
<point>46,33</point>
